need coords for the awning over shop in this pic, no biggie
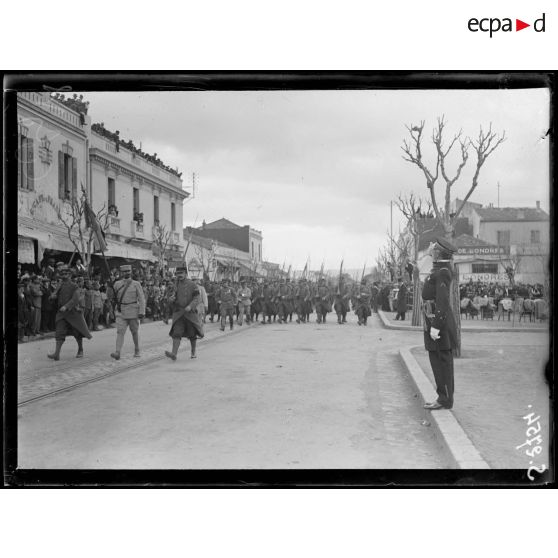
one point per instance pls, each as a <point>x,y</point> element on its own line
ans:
<point>128,251</point>
<point>247,271</point>
<point>25,250</point>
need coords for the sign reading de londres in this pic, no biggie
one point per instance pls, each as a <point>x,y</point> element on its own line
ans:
<point>484,250</point>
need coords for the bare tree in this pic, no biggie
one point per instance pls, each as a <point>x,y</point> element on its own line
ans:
<point>413,210</point>
<point>483,146</point>
<point>161,239</point>
<point>204,258</point>
<point>71,213</point>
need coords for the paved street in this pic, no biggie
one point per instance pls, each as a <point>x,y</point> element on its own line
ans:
<point>277,396</point>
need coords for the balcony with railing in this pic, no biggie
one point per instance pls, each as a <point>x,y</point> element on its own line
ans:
<point>137,230</point>
<point>133,158</point>
<point>46,103</point>
<point>114,224</point>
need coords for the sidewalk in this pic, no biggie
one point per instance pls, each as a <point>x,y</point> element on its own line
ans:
<point>499,379</point>
<point>388,320</point>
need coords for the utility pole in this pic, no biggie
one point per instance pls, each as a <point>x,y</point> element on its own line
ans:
<point>193,185</point>
<point>498,194</point>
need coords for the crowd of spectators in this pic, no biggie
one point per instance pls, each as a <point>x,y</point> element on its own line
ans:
<point>115,137</point>
<point>36,303</point>
<point>487,299</point>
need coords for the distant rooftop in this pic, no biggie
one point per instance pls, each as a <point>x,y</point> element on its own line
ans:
<point>467,240</point>
<point>512,214</point>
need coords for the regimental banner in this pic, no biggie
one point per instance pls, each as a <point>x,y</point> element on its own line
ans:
<point>483,250</point>
<point>484,277</point>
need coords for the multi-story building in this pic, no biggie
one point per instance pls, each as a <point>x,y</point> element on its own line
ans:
<point>53,142</point>
<point>497,240</point>
<point>217,260</point>
<point>243,238</point>
<point>144,200</point>
<point>60,154</point>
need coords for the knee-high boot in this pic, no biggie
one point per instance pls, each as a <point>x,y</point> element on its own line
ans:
<point>80,347</point>
<point>193,347</point>
<point>56,354</point>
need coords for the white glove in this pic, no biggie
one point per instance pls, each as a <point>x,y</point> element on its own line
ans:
<point>434,333</point>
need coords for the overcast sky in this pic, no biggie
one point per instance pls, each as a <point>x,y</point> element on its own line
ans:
<point>315,171</point>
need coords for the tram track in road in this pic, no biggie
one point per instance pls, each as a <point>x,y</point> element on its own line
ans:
<point>112,368</point>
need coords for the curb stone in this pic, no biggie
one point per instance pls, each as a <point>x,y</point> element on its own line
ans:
<point>462,451</point>
<point>388,324</point>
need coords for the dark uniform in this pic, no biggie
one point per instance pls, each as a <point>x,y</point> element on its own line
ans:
<point>439,323</point>
<point>341,304</point>
<point>284,301</point>
<point>185,319</point>
<point>362,308</point>
<point>322,298</point>
<point>401,304</point>
<point>69,318</point>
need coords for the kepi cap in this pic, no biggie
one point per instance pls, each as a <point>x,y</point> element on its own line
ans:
<point>126,267</point>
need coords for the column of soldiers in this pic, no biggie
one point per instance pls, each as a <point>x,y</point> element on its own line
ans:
<point>188,303</point>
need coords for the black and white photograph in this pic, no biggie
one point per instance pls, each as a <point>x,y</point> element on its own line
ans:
<point>283,276</point>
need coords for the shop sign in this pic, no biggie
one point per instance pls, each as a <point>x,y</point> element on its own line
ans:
<point>483,277</point>
<point>483,250</point>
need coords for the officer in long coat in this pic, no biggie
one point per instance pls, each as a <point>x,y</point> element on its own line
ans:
<point>185,319</point>
<point>440,331</point>
<point>130,309</point>
<point>69,317</point>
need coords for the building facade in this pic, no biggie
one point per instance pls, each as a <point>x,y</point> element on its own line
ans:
<point>53,142</point>
<point>61,156</point>
<point>499,241</point>
<point>145,202</point>
<point>245,239</point>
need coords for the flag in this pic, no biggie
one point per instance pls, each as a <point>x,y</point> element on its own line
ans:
<point>92,223</point>
<point>305,270</point>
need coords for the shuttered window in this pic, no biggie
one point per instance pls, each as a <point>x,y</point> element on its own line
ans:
<point>111,192</point>
<point>25,168</point>
<point>67,176</point>
<point>136,201</point>
<point>156,210</point>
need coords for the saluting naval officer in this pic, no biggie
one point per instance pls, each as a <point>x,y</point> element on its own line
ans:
<point>130,309</point>
<point>69,318</point>
<point>440,331</point>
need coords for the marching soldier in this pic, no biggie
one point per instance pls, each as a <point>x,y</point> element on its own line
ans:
<point>283,300</point>
<point>69,318</point>
<point>302,301</point>
<point>322,298</point>
<point>244,295</point>
<point>226,297</point>
<point>256,306</point>
<point>130,309</point>
<point>185,319</point>
<point>440,331</point>
<point>363,309</point>
<point>268,306</point>
<point>341,304</point>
